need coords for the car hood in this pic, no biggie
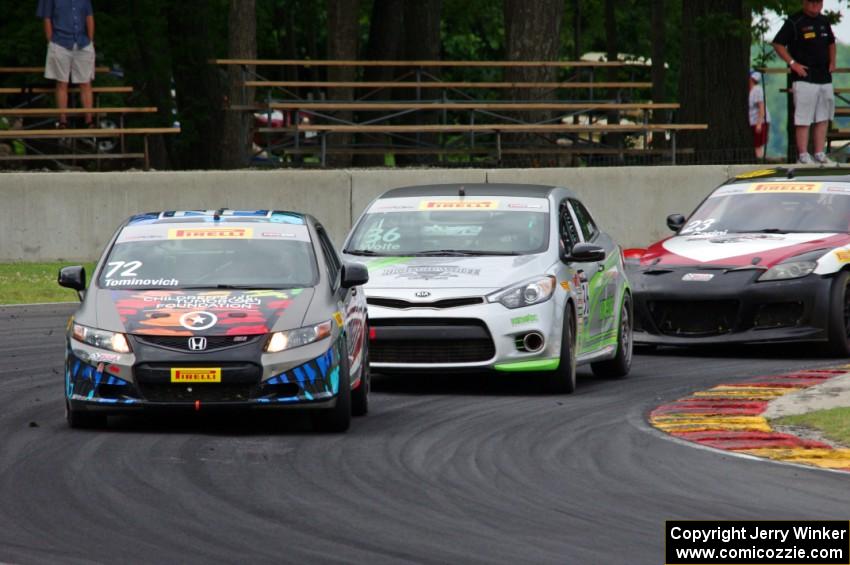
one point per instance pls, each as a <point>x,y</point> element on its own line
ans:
<point>492,272</point>
<point>208,313</point>
<point>738,249</point>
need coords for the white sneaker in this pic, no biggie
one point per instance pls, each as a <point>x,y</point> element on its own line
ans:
<point>824,160</point>
<point>804,159</point>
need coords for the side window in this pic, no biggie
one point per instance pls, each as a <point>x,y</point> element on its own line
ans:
<point>566,227</point>
<point>588,226</point>
<point>332,261</point>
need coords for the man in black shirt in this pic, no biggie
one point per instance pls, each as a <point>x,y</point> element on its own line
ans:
<point>807,44</point>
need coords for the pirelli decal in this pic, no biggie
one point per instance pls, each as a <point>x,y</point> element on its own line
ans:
<point>196,375</point>
<point>458,204</point>
<point>766,187</point>
<point>210,233</point>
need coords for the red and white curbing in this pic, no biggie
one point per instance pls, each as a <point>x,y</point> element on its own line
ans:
<point>731,417</point>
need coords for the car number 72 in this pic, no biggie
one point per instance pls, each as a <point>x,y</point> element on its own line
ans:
<point>129,268</point>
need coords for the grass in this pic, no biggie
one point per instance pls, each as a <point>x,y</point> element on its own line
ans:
<point>29,283</point>
<point>833,423</point>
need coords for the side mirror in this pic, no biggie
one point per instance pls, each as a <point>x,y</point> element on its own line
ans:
<point>354,274</point>
<point>584,253</point>
<point>675,222</point>
<point>73,278</point>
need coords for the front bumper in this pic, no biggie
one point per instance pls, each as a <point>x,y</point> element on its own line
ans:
<point>480,336</point>
<point>305,377</point>
<point>729,308</point>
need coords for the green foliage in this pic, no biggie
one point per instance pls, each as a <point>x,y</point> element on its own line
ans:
<point>833,423</point>
<point>30,283</point>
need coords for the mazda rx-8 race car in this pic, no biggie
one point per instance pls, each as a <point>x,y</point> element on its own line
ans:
<point>214,309</point>
<point>765,257</point>
<point>508,277</point>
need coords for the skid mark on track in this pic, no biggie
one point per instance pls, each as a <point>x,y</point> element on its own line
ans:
<point>729,417</point>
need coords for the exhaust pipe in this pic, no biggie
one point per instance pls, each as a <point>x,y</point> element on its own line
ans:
<point>533,341</point>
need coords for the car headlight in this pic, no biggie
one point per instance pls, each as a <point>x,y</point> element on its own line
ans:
<point>103,339</point>
<point>792,270</point>
<point>527,293</point>
<point>278,341</point>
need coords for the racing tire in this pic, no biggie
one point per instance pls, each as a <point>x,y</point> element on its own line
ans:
<point>620,365</point>
<point>360,395</point>
<point>838,326</point>
<point>79,419</point>
<point>563,379</point>
<point>337,420</point>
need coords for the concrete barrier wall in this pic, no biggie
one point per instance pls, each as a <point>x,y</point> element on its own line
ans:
<point>70,216</point>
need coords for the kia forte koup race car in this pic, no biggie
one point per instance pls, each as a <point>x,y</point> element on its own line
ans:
<point>764,258</point>
<point>508,277</point>
<point>214,309</point>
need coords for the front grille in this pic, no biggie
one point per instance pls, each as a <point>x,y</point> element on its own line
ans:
<point>181,343</point>
<point>440,304</point>
<point>431,340</point>
<point>205,392</point>
<point>694,319</point>
<point>778,315</point>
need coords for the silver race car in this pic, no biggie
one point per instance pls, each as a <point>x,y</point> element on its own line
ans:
<point>508,277</point>
<point>218,309</point>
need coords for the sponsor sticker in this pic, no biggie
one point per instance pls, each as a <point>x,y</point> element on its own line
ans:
<point>277,234</point>
<point>758,173</point>
<point>338,318</point>
<point>459,205</point>
<point>697,277</point>
<point>196,375</point>
<point>838,189</point>
<point>198,320</point>
<point>786,187</point>
<point>210,233</point>
<point>843,255</point>
<point>527,319</point>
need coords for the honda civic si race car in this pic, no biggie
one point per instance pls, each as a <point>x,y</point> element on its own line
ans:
<point>508,277</point>
<point>214,309</point>
<point>764,258</point>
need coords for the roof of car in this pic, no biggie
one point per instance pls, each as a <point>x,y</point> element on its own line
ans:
<point>222,214</point>
<point>792,174</point>
<point>472,189</point>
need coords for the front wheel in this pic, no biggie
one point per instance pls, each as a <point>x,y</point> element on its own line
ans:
<point>620,365</point>
<point>338,418</point>
<point>360,395</point>
<point>838,329</point>
<point>563,379</point>
<point>79,419</point>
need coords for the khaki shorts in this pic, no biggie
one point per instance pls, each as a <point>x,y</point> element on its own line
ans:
<point>813,103</point>
<point>61,63</point>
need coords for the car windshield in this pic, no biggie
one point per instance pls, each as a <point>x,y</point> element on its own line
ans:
<point>164,257</point>
<point>745,210</point>
<point>453,226</point>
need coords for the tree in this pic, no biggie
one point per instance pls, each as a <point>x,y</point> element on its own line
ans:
<point>196,86</point>
<point>532,33</point>
<point>241,44</point>
<point>384,43</point>
<point>659,60</point>
<point>713,80</point>
<point>421,43</point>
<point>343,35</point>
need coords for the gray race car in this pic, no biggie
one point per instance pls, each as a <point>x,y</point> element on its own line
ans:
<point>218,309</point>
<point>508,277</point>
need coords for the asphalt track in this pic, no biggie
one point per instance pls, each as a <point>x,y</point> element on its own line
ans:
<point>443,470</point>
